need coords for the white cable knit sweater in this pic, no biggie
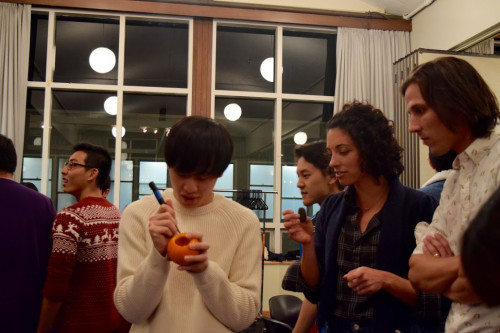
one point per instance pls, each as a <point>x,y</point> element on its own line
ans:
<point>156,297</point>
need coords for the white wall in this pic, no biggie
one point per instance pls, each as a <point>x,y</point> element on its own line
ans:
<point>447,23</point>
<point>273,275</point>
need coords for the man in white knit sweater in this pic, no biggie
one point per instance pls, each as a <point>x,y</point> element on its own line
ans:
<point>217,290</point>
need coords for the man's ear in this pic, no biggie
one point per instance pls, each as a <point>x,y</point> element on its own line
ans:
<point>93,174</point>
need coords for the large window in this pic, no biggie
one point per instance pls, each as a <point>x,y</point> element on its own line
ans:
<point>127,107</point>
<point>273,86</point>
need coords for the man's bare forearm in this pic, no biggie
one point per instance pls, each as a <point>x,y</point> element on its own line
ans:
<point>433,274</point>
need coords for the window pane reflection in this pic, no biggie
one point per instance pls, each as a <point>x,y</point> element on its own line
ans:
<point>126,181</point>
<point>309,63</point>
<point>78,116</point>
<point>76,38</point>
<point>156,53</point>
<point>38,52</point>
<point>309,118</point>
<point>34,121</point>
<point>225,182</point>
<point>287,244</point>
<point>147,119</point>
<point>240,53</point>
<point>252,134</point>
<point>32,172</point>
<point>33,139</point>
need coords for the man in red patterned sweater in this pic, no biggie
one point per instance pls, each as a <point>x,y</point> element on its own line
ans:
<point>78,291</point>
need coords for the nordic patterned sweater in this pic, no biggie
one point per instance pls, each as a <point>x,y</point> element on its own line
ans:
<point>82,266</point>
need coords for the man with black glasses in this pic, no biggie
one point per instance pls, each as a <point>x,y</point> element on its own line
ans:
<point>78,292</point>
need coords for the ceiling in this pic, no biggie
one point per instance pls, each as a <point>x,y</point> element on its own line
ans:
<point>391,7</point>
<point>398,7</point>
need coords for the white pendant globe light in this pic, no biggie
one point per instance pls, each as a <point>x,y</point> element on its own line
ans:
<point>113,131</point>
<point>267,69</point>
<point>232,111</point>
<point>300,138</point>
<point>111,105</point>
<point>102,60</point>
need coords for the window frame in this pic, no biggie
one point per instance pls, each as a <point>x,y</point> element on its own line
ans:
<point>275,227</point>
<point>120,88</point>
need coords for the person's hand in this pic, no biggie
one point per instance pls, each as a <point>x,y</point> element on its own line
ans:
<point>437,246</point>
<point>461,290</point>
<point>301,232</point>
<point>199,262</point>
<point>366,281</point>
<point>163,226</point>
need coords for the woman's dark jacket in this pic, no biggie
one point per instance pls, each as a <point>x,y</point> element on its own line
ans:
<point>404,208</point>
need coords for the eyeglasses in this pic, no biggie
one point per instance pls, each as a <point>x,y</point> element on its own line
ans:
<point>71,164</point>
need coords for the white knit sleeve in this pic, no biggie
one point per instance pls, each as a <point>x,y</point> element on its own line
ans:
<point>142,271</point>
<point>234,298</point>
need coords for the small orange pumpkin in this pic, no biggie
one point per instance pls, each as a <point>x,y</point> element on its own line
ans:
<point>178,247</point>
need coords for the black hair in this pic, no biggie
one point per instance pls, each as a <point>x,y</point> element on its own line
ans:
<point>97,157</point>
<point>8,156</point>
<point>481,251</point>
<point>373,135</point>
<point>443,162</point>
<point>30,185</point>
<point>198,145</point>
<point>315,153</point>
<point>106,184</point>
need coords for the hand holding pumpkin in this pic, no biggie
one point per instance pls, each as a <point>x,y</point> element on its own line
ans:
<point>179,246</point>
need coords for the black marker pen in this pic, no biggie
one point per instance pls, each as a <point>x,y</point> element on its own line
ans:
<point>157,193</point>
<point>158,196</point>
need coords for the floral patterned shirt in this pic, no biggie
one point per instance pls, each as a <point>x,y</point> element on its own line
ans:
<point>475,177</point>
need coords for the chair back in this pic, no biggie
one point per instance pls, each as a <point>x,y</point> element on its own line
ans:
<point>285,308</point>
<point>275,326</point>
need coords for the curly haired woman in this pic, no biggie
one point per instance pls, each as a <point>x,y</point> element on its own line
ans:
<point>355,262</point>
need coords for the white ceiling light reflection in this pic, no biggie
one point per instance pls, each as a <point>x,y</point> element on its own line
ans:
<point>113,131</point>
<point>102,60</point>
<point>232,111</point>
<point>267,69</point>
<point>300,138</point>
<point>124,155</point>
<point>111,105</point>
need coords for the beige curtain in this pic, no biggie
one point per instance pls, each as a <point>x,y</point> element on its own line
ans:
<point>14,57</point>
<point>485,47</point>
<point>365,66</point>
